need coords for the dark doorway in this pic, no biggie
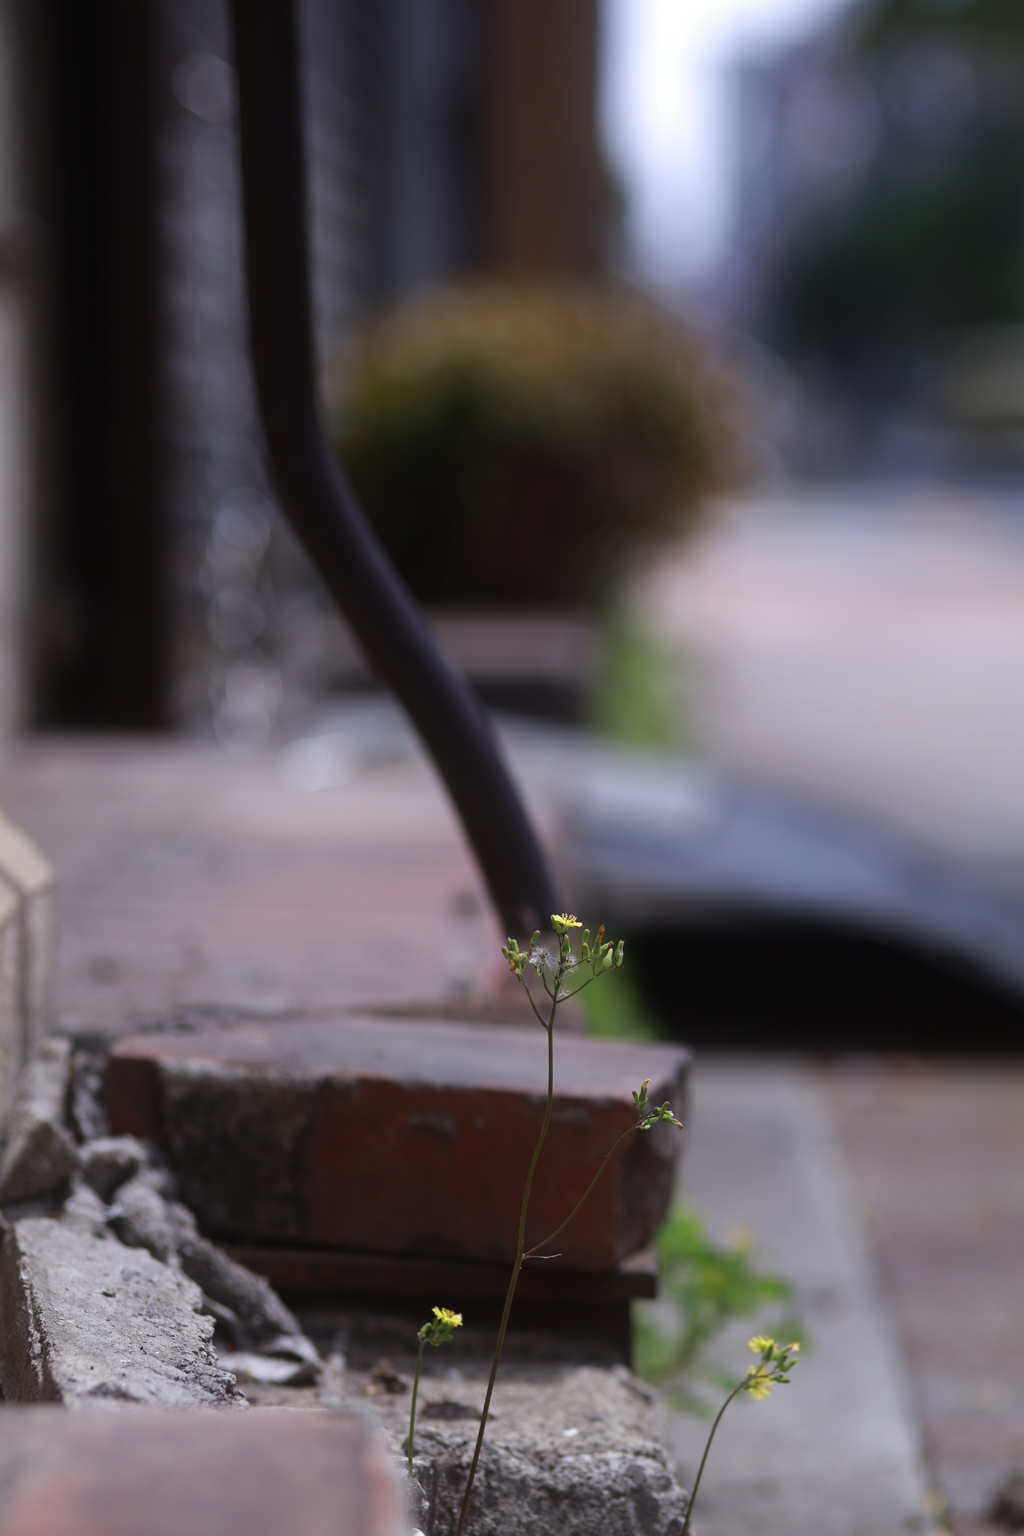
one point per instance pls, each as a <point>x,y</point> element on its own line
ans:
<point>99,620</point>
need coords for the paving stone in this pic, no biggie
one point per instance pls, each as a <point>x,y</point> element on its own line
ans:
<point>89,1322</point>
<point>949,1244</point>
<point>837,1452</point>
<point>144,1473</point>
<point>40,1154</point>
<point>401,1136</point>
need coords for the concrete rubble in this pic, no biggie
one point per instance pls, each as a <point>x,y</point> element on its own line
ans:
<point>111,1293</point>
<point>40,1153</point>
<point>90,1323</point>
<point>568,1452</point>
<point>250,1311</point>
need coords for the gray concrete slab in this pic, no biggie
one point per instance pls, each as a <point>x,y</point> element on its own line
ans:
<point>92,1324</point>
<point>835,1453</point>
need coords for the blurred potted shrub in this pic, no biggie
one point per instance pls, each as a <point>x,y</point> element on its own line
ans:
<point>520,446</point>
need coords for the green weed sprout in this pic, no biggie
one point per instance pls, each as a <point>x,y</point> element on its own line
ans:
<point>710,1284</point>
<point>437,1332</point>
<point>558,975</point>
<point>774,1360</point>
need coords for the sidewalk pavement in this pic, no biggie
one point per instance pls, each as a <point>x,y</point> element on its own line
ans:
<point>186,879</point>
<point>834,1453</point>
<point>936,1153</point>
<point>864,648</point>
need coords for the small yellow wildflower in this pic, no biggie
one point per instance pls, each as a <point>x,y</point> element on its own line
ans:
<point>758,1383</point>
<point>768,1372</point>
<point>561,922</point>
<point>441,1329</point>
<point>739,1238</point>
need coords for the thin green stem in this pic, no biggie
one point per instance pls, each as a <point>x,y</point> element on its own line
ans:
<point>583,1198</point>
<point>529,996</point>
<point>412,1407</point>
<point>514,1279</point>
<point>700,1470</point>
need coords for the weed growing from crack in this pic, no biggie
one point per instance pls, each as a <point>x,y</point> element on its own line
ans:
<point>437,1332</point>
<point>558,974</point>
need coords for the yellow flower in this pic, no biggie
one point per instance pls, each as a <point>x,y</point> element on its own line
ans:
<point>441,1329</point>
<point>758,1383</point>
<point>794,1349</point>
<point>562,922</point>
<point>759,1343</point>
<point>740,1239</point>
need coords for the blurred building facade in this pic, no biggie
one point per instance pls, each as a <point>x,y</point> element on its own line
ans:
<point>153,580</point>
<point>879,166</point>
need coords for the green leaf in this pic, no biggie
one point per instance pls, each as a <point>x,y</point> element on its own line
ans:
<point>708,1286</point>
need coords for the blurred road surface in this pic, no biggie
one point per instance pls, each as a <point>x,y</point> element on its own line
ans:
<point>866,649</point>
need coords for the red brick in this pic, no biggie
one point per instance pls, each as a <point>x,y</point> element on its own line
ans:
<point>141,1472</point>
<point>402,1137</point>
<point>334,1272</point>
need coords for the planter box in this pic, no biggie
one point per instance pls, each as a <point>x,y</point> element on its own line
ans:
<point>527,661</point>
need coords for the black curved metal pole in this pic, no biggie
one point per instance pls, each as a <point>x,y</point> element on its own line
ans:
<point>316,496</point>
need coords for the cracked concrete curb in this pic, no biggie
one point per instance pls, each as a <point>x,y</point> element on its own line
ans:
<point>91,1323</point>
<point>518,1494</point>
<point>572,1453</point>
<point>103,1302</point>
